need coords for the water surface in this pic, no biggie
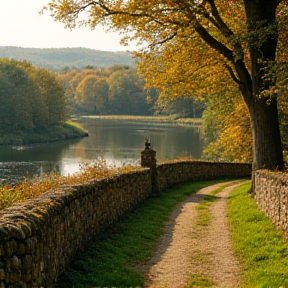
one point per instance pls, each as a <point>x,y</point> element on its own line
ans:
<point>119,142</point>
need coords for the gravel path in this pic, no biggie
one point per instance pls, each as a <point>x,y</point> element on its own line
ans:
<point>188,250</point>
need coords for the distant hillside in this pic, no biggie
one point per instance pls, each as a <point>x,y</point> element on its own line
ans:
<point>59,58</point>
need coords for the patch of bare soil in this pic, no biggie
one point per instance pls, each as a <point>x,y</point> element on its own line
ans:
<point>188,250</point>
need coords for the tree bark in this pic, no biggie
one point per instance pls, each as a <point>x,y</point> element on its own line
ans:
<point>267,147</point>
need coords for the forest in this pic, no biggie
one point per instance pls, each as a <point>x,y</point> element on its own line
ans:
<point>36,98</point>
<point>31,98</point>
<point>120,90</point>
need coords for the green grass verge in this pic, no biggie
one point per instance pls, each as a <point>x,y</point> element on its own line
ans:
<point>259,245</point>
<point>161,119</point>
<point>108,261</point>
<point>204,215</point>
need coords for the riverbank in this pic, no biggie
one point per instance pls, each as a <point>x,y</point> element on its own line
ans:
<point>63,131</point>
<point>155,119</point>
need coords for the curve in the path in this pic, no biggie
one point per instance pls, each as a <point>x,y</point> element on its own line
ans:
<point>187,250</point>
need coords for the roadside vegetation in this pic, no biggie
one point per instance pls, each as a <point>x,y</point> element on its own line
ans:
<point>32,188</point>
<point>260,247</point>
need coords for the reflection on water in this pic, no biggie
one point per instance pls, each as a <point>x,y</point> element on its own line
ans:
<point>118,142</point>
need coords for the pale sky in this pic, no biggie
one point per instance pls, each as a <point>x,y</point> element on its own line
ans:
<point>22,26</point>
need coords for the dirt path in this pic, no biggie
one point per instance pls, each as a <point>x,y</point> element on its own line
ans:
<point>187,250</point>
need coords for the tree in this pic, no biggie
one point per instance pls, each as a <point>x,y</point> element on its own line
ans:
<point>126,93</point>
<point>226,129</point>
<point>85,94</point>
<point>30,97</point>
<point>52,94</point>
<point>101,90</point>
<point>15,108</point>
<point>224,38</point>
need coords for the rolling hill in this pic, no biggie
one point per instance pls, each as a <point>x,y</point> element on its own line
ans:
<point>57,59</point>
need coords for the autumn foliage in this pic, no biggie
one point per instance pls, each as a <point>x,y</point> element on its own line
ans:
<point>32,188</point>
<point>198,48</point>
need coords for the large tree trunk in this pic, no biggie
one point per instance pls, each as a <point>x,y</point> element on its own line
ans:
<point>267,146</point>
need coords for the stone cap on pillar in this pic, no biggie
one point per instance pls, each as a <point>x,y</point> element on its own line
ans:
<point>148,155</point>
<point>147,145</point>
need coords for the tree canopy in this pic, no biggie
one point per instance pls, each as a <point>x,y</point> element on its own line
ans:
<point>115,90</point>
<point>204,46</point>
<point>30,97</point>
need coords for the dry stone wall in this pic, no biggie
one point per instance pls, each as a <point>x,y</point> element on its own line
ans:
<point>172,173</point>
<point>40,237</point>
<point>271,194</point>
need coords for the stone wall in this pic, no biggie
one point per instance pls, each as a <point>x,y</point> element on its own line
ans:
<point>172,173</point>
<point>271,194</point>
<point>40,237</point>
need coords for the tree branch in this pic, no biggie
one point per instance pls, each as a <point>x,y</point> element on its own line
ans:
<point>245,81</point>
<point>221,24</point>
<point>165,40</point>
<point>213,43</point>
<point>232,74</point>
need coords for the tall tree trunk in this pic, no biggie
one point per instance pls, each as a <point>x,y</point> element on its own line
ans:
<point>267,147</point>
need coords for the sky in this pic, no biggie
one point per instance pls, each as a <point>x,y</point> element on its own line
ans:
<point>21,25</point>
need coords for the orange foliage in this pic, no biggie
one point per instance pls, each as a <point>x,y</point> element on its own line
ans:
<point>32,188</point>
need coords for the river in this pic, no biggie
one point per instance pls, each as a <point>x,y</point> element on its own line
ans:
<point>119,142</point>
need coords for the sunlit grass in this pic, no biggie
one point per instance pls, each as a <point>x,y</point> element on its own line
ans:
<point>204,215</point>
<point>259,245</point>
<point>195,121</point>
<point>32,188</point>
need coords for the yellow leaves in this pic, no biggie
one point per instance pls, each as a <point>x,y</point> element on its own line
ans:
<point>234,142</point>
<point>176,58</point>
<point>183,67</point>
<point>29,189</point>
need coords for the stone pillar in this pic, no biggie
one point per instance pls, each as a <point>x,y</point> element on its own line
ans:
<point>148,159</point>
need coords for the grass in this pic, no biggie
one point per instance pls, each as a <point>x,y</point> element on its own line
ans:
<point>109,260</point>
<point>204,215</point>
<point>259,245</point>
<point>162,119</point>
<point>199,280</point>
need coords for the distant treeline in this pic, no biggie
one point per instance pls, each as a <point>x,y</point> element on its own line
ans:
<point>119,90</point>
<point>34,99</point>
<point>31,98</point>
<point>57,59</point>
